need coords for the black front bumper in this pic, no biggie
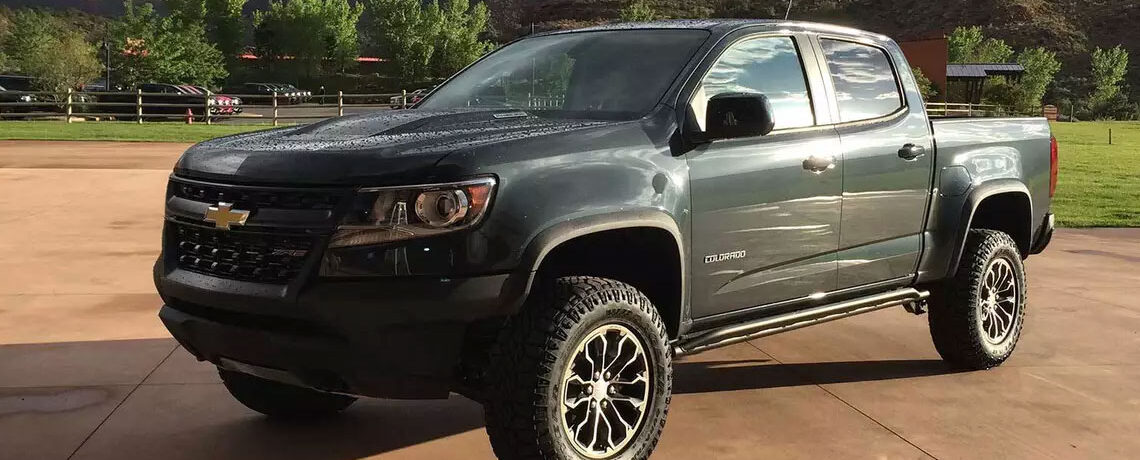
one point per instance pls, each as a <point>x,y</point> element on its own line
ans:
<point>381,337</point>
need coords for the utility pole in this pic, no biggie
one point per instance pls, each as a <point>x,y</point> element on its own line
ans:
<point>107,55</point>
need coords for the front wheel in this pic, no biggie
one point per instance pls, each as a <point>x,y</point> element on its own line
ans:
<point>976,317</point>
<point>584,371</point>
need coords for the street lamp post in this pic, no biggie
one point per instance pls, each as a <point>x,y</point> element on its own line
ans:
<point>107,55</point>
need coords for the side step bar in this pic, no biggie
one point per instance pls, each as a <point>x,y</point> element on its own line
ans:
<point>764,327</point>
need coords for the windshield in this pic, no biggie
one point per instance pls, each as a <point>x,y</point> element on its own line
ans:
<point>596,75</point>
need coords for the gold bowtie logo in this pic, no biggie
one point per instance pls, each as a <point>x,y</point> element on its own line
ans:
<point>224,216</point>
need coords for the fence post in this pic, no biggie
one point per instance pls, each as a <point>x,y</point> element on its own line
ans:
<point>275,108</point>
<point>138,105</point>
<point>206,113</point>
<point>404,98</point>
<point>340,103</point>
<point>69,105</point>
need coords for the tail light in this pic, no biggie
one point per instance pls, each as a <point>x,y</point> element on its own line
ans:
<point>1052,165</point>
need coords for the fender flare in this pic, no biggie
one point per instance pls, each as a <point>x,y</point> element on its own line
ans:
<point>973,200</point>
<point>519,283</point>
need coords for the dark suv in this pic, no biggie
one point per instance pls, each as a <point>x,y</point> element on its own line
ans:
<point>547,230</point>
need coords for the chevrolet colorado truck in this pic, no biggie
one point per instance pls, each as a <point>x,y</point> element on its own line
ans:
<point>549,229</point>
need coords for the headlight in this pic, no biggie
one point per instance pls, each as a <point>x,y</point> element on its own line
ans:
<point>386,214</point>
<point>26,98</point>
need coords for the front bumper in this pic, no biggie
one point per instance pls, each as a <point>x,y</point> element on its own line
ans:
<point>382,337</point>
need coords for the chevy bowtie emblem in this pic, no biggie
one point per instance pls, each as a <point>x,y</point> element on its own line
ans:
<point>224,216</point>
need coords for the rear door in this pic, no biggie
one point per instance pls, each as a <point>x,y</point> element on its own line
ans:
<point>765,225</point>
<point>887,155</point>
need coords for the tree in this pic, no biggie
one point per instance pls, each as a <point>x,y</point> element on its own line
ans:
<point>457,43</point>
<point>56,57</point>
<point>165,50</point>
<point>969,44</point>
<point>225,26</point>
<point>638,11</point>
<point>1041,66</point>
<point>221,19</point>
<point>406,32</point>
<point>925,86</point>
<point>310,33</point>
<point>1108,70</point>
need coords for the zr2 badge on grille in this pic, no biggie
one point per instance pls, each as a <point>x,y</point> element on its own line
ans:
<point>223,216</point>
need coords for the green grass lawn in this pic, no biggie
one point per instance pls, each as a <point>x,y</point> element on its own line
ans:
<point>1098,184</point>
<point>118,131</point>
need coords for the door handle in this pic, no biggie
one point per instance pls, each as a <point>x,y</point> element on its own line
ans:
<point>818,165</point>
<point>911,152</point>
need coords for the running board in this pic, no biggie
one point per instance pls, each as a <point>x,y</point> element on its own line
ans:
<point>764,327</point>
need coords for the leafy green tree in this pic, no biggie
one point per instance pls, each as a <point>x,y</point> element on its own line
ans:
<point>1041,66</point>
<point>151,48</point>
<point>457,43</point>
<point>225,26</point>
<point>969,44</point>
<point>221,19</point>
<point>638,11</point>
<point>925,86</point>
<point>1108,70</point>
<point>310,33</point>
<point>42,47</point>
<point>405,32</point>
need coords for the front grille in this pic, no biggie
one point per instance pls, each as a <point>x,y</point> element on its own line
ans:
<point>257,198</point>
<point>246,256</point>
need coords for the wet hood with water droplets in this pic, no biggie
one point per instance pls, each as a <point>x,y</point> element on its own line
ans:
<point>390,147</point>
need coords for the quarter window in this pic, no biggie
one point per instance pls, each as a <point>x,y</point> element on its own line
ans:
<point>769,66</point>
<point>865,85</point>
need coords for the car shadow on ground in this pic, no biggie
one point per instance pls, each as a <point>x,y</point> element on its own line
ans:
<point>198,420</point>
<point>754,374</point>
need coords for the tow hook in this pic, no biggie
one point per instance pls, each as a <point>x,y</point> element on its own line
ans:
<point>916,307</point>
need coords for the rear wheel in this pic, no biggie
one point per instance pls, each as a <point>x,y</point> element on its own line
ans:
<point>976,318</point>
<point>584,371</point>
<point>282,400</point>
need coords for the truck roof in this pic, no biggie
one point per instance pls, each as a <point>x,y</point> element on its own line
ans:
<point>724,26</point>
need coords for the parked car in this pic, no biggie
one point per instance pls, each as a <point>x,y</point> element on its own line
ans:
<point>169,101</point>
<point>226,104</point>
<point>15,98</point>
<point>397,102</point>
<point>697,184</point>
<point>262,93</point>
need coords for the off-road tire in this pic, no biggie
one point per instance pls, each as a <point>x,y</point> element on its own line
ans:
<point>524,401</point>
<point>956,305</point>
<point>280,400</point>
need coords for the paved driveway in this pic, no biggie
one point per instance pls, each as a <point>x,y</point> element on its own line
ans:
<point>87,371</point>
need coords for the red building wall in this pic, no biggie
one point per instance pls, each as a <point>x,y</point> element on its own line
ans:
<point>930,55</point>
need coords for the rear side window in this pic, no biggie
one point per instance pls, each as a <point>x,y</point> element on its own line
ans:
<point>766,65</point>
<point>865,84</point>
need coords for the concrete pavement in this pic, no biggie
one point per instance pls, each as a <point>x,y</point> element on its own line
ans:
<point>87,371</point>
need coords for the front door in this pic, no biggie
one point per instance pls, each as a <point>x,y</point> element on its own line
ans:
<point>765,209</point>
<point>887,154</point>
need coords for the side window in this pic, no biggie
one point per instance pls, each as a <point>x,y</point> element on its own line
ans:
<point>865,85</point>
<point>769,66</point>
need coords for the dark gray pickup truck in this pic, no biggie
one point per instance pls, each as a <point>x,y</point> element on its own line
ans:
<point>546,231</point>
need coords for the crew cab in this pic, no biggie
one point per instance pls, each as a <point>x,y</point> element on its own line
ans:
<point>549,229</point>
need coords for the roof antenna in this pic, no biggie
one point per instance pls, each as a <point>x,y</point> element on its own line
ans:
<point>789,12</point>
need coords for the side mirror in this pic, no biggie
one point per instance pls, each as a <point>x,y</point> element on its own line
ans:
<point>733,115</point>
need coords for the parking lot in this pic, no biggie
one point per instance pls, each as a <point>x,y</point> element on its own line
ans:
<point>87,371</point>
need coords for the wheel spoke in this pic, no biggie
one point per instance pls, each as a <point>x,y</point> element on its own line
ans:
<point>615,402</point>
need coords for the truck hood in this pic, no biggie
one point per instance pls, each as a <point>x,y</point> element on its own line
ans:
<point>380,148</point>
